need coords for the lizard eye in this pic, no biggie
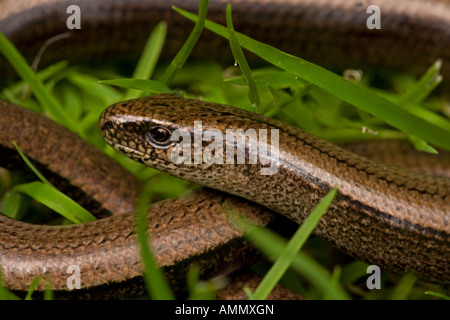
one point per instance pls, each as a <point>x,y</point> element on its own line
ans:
<point>159,136</point>
<point>108,125</point>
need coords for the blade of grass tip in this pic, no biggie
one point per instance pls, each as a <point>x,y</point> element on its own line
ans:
<point>354,94</point>
<point>294,245</point>
<point>156,283</point>
<point>335,277</point>
<point>419,91</point>
<point>242,62</point>
<point>31,166</point>
<point>437,294</point>
<point>48,102</point>
<point>32,287</point>
<point>403,289</point>
<point>422,88</point>
<point>422,145</point>
<point>177,63</point>
<point>249,293</point>
<point>149,57</point>
<point>48,292</point>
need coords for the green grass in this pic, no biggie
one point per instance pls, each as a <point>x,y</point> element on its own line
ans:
<point>358,96</point>
<point>44,192</point>
<point>156,284</point>
<point>290,89</point>
<point>289,252</point>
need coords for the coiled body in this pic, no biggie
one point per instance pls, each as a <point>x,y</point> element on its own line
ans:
<point>396,219</point>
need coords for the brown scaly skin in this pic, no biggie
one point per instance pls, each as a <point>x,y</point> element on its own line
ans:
<point>195,228</point>
<point>26,250</point>
<point>387,216</point>
<point>325,30</point>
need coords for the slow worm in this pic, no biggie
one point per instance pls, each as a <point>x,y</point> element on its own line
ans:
<point>396,219</point>
<point>383,215</point>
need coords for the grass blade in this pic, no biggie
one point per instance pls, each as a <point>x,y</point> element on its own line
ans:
<point>32,167</point>
<point>49,103</point>
<point>404,287</point>
<point>272,245</point>
<point>437,294</point>
<point>181,57</point>
<point>48,292</point>
<point>45,193</point>
<point>149,57</point>
<point>55,200</point>
<point>242,62</point>
<point>5,294</point>
<point>294,245</point>
<point>32,287</point>
<point>353,271</point>
<point>427,83</point>
<point>91,84</point>
<point>154,278</point>
<point>11,205</point>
